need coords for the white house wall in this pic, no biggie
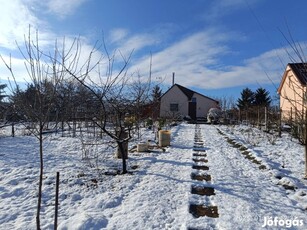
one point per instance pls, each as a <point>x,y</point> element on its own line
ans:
<point>291,96</point>
<point>203,105</point>
<point>174,95</point>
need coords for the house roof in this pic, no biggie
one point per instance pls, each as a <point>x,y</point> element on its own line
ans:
<point>299,70</point>
<point>188,92</point>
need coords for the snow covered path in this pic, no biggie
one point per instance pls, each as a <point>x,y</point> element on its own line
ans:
<point>244,194</point>
<point>160,199</point>
<point>158,192</point>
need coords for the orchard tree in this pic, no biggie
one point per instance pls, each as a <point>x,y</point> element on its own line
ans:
<point>36,103</point>
<point>117,101</point>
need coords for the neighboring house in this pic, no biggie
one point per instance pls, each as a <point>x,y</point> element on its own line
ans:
<point>292,91</point>
<point>179,102</point>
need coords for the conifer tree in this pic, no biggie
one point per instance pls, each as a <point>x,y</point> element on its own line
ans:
<point>156,93</point>
<point>247,99</point>
<point>2,95</point>
<point>262,97</point>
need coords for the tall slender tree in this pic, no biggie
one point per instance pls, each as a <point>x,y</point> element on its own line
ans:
<point>3,106</point>
<point>37,103</point>
<point>156,93</point>
<point>262,98</point>
<point>116,102</point>
<point>2,93</point>
<point>247,99</point>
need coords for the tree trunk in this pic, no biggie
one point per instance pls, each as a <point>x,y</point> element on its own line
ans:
<point>62,128</point>
<point>40,177</point>
<point>13,130</point>
<point>124,155</point>
<point>258,117</point>
<point>56,201</point>
<point>305,161</point>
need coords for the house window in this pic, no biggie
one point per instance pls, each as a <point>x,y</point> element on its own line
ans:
<point>174,107</point>
<point>193,99</point>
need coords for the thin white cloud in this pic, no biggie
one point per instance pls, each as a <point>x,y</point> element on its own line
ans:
<point>267,68</point>
<point>187,57</point>
<point>63,8</point>
<point>15,18</point>
<point>15,29</point>
<point>137,42</point>
<point>196,60</point>
<point>221,8</point>
<point>77,51</point>
<point>127,45</point>
<point>117,35</point>
<point>18,68</point>
<point>15,26</point>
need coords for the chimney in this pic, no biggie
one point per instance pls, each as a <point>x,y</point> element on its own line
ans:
<point>173,79</point>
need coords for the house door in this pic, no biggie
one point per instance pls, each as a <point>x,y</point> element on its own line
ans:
<point>192,110</point>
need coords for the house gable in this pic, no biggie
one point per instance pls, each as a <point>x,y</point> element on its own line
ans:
<point>292,90</point>
<point>182,97</point>
<point>173,96</point>
<point>299,70</point>
<point>189,93</point>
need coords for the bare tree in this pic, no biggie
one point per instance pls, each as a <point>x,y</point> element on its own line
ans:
<point>36,104</point>
<point>140,90</point>
<point>112,89</point>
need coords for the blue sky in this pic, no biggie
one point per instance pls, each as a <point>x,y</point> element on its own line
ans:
<point>216,47</point>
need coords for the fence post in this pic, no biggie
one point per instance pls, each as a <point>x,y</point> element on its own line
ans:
<point>56,200</point>
<point>62,128</point>
<point>13,130</point>
<point>280,123</point>
<point>258,118</point>
<point>266,118</point>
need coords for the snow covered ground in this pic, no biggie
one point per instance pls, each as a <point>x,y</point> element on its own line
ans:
<point>251,179</point>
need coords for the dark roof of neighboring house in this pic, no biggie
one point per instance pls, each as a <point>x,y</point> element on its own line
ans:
<point>300,70</point>
<point>188,92</point>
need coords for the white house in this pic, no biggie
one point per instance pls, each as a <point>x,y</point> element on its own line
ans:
<point>293,91</point>
<point>179,101</point>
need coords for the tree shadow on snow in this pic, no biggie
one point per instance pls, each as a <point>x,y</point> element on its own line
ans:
<point>267,202</point>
